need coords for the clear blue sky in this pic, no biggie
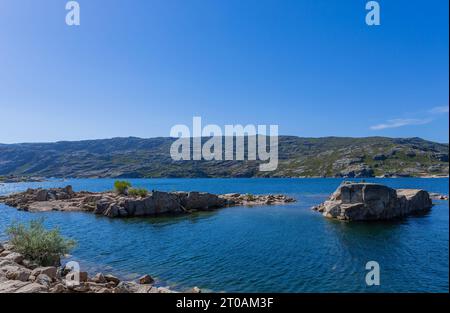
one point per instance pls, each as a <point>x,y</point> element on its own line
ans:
<point>136,68</point>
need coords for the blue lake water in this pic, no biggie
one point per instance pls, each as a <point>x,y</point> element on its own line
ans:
<point>285,248</point>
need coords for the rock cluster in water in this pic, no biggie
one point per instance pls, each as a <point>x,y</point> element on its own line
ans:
<point>111,204</point>
<point>18,275</point>
<point>367,201</point>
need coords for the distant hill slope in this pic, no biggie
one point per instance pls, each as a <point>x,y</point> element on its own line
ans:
<point>298,157</point>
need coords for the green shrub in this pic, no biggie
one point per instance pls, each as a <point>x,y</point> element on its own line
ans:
<point>37,244</point>
<point>138,192</point>
<point>121,186</point>
<point>250,197</point>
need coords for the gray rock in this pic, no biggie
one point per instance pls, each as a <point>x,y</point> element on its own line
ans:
<point>50,271</point>
<point>4,253</point>
<point>30,264</point>
<point>165,290</point>
<point>11,286</point>
<point>146,289</point>
<point>4,263</point>
<point>195,290</point>
<point>15,257</point>
<point>202,201</point>
<point>58,288</point>
<point>435,168</point>
<point>8,246</point>
<point>345,162</point>
<point>42,195</point>
<point>113,279</point>
<point>82,287</point>
<point>165,202</point>
<point>102,205</point>
<point>146,279</point>
<point>126,287</point>
<point>113,210</point>
<point>43,280</point>
<point>99,278</point>
<point>32,288</point>
<point>364,201</point>
<point>123,212</point>
<point>17,273</point>
<point>68,190</point>
<point>357,171</point>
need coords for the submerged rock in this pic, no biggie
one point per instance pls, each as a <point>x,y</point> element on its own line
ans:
<point>146,279</point>
<point>367,201</point>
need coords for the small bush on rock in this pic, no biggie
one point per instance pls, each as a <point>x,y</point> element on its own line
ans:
<point>250,197</point>
<point>39,245</point>
<point>138,192</point>
<point>121,186</point>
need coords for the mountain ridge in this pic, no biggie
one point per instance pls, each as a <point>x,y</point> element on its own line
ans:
<point>135,157</point>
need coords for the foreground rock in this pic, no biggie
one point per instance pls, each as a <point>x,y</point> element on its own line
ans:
<point>16,277</point>
<point>112,205</point>
<point>368,202</point>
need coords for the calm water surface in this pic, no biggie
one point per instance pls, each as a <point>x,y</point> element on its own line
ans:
<point>285,248</point>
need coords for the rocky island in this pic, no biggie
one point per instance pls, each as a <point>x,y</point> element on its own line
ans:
<point>113,204</point>
<point>368,202</point>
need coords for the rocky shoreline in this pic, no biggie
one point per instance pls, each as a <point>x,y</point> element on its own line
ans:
<point>369,202</point>
<point>19,275</point>
<point>115,205</point>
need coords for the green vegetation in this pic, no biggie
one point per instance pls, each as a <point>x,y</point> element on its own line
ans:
<point>35,243</point>
<point>138,192</point>
<point>121,186</point>
<point>250,197</point>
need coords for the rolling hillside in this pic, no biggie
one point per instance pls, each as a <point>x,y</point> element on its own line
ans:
<point>298,157</point>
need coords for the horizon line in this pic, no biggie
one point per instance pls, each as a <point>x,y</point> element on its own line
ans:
<point>169,137</point>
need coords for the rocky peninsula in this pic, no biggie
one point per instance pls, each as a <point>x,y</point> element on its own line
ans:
<point>114,205</point>
<point>369,202</point>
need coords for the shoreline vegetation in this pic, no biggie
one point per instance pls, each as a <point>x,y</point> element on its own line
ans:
<point>30,262</point>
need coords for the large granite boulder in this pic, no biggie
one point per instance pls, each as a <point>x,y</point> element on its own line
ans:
<point>202,201</point>
<point>366,201</point>
<point>165,202</point>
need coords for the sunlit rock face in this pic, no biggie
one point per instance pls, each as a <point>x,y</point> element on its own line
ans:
<point>366,201</point>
